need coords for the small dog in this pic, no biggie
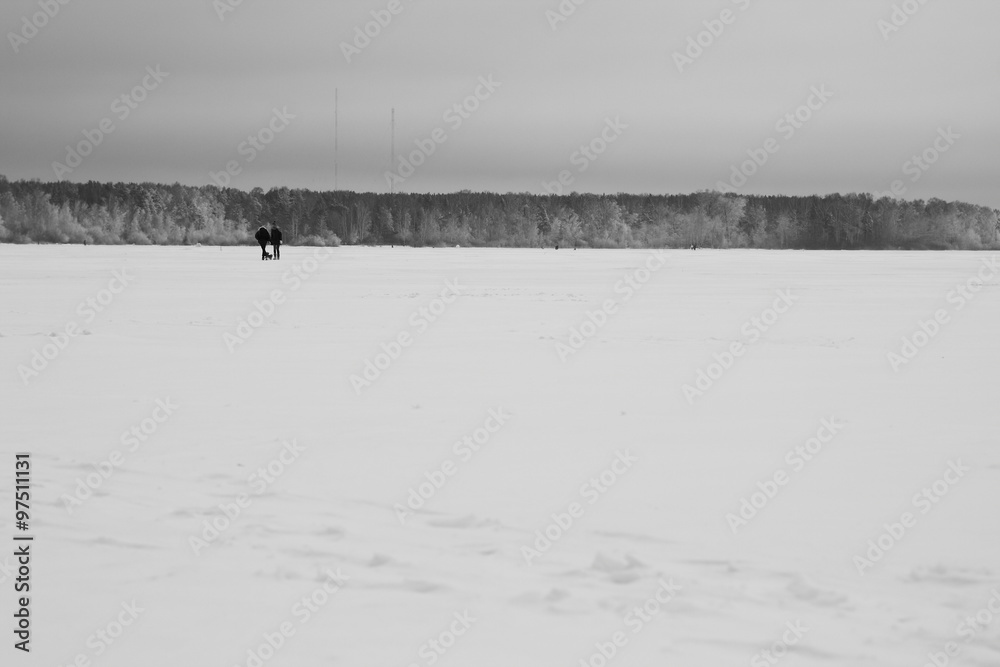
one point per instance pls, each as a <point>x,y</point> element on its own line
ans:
<point>268,255</point>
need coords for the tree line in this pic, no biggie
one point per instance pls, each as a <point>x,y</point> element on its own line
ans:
<point>148,213</point>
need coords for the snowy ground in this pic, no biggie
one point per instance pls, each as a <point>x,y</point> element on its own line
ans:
<point>502,345</point>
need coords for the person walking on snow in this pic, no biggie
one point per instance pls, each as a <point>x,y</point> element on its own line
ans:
<point>276,240</point>
<point>262,238</point>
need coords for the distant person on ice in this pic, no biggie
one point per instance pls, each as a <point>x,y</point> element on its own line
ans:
<point>276,240</point>
<point>262,238</point>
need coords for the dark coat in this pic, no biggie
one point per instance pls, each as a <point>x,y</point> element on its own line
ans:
<point>275,235</point>
<point>262,236</point>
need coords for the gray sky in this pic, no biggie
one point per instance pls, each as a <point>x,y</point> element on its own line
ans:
<point>686,130</point>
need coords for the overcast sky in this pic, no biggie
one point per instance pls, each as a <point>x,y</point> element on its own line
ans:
<point>682,129</point>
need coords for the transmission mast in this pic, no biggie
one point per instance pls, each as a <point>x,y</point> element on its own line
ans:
<point>392,148</point>
<point>336,139</point>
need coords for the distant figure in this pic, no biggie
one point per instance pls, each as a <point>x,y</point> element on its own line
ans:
<point>694,246</point>
<point>263,238</point>
<point>276,240</point>
<point>557,247</point>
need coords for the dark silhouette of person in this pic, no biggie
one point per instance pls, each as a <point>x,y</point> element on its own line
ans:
<point>262,238</point>
<point>276,240</point>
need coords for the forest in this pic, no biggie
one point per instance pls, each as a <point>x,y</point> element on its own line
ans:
<point>32,211</point>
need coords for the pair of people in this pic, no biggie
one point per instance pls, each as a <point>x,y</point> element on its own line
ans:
<point>273,237</point>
